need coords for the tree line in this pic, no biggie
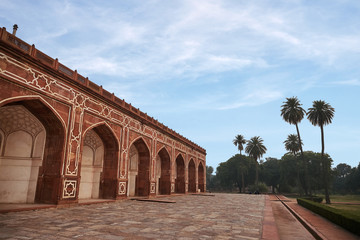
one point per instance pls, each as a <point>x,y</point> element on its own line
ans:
<point>306,171</point>
<point>237,174</point>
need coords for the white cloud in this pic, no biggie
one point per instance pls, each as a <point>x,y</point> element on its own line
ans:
<point>351,82</point>
<point>255,98</point>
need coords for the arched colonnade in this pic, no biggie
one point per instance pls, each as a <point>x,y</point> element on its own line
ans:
<point>33,142</point>
<point>64,138</point>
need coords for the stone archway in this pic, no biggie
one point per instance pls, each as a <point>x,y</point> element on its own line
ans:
<point>163,182</point>
<point>201,182</point>
<point>139,169</point>
<point>180,175</point>
<point>108,177</point>
<point>192,176</point>
<point>91,166</point>
<point>32,153</point>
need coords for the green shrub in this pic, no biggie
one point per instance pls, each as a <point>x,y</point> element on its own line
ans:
<point>340,217</point>
<point>314,199</point>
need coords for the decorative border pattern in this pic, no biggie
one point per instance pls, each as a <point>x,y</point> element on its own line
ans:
<point>152,188</point>
<point>122,188</point>
<point>69,189</point>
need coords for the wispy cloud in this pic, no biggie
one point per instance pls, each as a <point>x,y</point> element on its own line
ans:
<point>255,98</point>
<point>190,40</point>
<point>351,82</point>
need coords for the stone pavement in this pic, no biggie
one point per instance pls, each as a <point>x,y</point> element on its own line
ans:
<point>223,216</point>
<point>324,228</point>
<point>288,226</point>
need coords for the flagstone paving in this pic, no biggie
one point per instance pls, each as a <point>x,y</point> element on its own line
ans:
<point>223,216</point>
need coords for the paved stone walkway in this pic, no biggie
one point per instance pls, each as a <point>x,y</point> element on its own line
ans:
<point>223,216</point>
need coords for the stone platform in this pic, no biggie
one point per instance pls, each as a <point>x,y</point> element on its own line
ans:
<point>223,216</point>
<point>218,216</point>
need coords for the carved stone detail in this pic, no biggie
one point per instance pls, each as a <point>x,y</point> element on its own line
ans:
<point>15,118</point>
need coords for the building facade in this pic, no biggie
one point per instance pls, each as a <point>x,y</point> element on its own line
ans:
<point>64,138</point>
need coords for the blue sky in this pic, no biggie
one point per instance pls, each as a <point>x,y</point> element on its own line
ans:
<point>212,69</point>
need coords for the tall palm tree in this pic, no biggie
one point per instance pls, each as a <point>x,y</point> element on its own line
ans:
<point>256,149</point>
<point>239,141</point>
<point>321,114</point>
<point>292,143</point>
<point>293,113</point>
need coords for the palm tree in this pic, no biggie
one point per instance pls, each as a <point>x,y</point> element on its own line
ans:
<point>292,143</point>
<point>293,113</point>
<point>239,141</point>
<point>256,149</point>
<point>321,114</point>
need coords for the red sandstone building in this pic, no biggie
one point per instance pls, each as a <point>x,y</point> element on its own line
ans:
<point>64,138</point>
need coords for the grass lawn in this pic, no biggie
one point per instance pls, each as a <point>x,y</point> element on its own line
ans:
<point>354,209</point>
<point>345,198</point>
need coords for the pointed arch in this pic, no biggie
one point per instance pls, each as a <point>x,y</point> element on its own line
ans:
<point>141,139</point>
<point>201,177</point>
<point>192,176</point>
<point>48,181</point>
<point>180,174</point>
<point>19,99</point>
<point>139,175</point>
<point>100,177</point>
<point>109,128</point>
<point>163,172</point>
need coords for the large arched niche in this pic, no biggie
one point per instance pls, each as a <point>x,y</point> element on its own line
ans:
<point>139,169</point>
<point>99,164</point>
<point>91,166</point>
<point>192,176</point>
<point>180,174</point>
<point>32,152</point>
<point>163,173</point>
<point>201,178</point>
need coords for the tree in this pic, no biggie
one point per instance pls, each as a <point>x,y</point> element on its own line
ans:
<point>239,141</point>
<point>342,170</point>
<point>342,176</point>
<point>288,173</point>
<point>237,172</point>
<point>271,169</point>
<point>289,169</point>
<point>292,143</point>
<point>223,176</point>
<point>256,149</point>
<point>321,114</point>
<point>209,176</point>
<point>293,113</point>
<point>243,169</point>
<point>315,164</point>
